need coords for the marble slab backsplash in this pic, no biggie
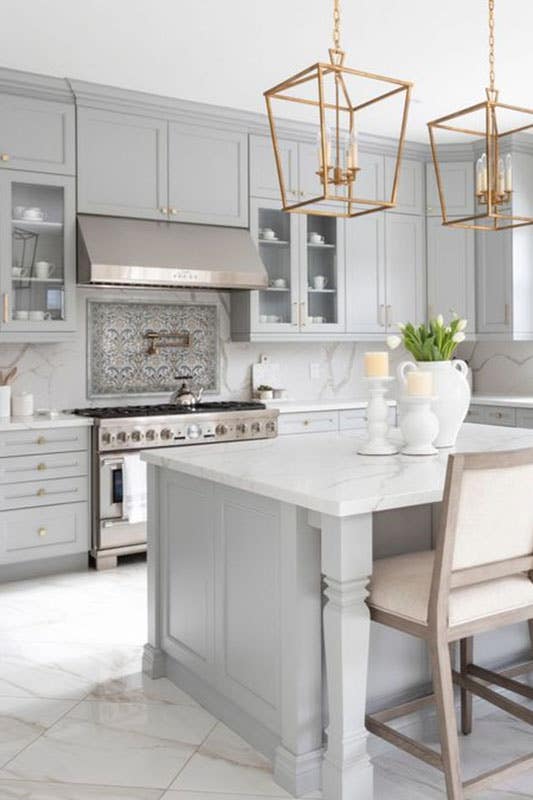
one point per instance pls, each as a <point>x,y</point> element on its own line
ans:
<point>56,374</point>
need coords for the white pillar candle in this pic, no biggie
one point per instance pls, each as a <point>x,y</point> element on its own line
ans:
<point>377,365</point>
<point>419,383</point>
<point>508,173</point>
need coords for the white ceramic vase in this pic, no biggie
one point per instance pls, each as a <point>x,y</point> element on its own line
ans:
<point>452,395</point>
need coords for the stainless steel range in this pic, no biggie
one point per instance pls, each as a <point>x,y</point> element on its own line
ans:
<point>120,431</point>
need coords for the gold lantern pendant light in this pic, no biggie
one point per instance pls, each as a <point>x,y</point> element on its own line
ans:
<point>487,124</point>
<point>329,89</point>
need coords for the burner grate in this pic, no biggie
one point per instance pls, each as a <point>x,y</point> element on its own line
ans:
<point>164,409</point>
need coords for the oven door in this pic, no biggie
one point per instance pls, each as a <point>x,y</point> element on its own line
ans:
<point>114,529</point>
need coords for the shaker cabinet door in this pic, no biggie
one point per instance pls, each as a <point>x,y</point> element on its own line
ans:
<point>451,271</point>
<point>365,274</point>
<point>494,255</point>
<point>458,186</point>
<point>37,135</point>
<point>264,180</point>
<point>208,175</point>
<point>410,198</point>
<point>405,267</point>
<point>122,164</point>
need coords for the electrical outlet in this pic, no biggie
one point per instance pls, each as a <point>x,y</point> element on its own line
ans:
<point>314,371</point>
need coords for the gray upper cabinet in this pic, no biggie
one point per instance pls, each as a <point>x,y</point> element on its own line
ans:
<point>405,269</point>
<point>494,255</point>
<point>122,164</point>
<point>458,183</point>
<point>263,173</point>
<point>309,184</point>
<point>365,274</point>
<point>208,175</point>
<point>410,199</point>
<point>370,182</point>
<point>451,271</point>
<point>37,135</point>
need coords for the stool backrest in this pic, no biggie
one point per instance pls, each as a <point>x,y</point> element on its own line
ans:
<point>486,526</point>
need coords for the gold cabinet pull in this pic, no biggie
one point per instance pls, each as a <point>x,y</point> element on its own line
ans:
<point>163,210</point>
<point>295,314</point>
<point>41,440</point>
<point>303,312</point>
<point>388,314</point>
<point>381,315</point>
<point>42,532</point>
<point>174,211</point>
<point>306,423</point>
<point>4,156</point>
<point>506,320</point>
<point>41,492</point>
<point>5,307</point>
<point>41,466</point>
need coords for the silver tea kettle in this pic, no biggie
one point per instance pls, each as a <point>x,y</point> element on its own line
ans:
<point>183,396</point>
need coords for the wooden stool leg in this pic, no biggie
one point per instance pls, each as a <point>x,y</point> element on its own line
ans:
<point>467,653</point>
<point>443,686</point>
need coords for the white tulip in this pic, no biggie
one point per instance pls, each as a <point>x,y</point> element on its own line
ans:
<point>440,320</point>
<point>401,326</point>
<point>447,329</point>
<point>393,342</point>
<point>462,324</point>
<point>458,337</point>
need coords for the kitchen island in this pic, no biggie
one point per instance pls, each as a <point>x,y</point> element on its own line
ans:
<point>260,555</point>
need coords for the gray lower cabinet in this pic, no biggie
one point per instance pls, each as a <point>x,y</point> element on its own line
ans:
<point>37,135</point>
<point>44,494</point>
<point>208,175</point>
<point>505,416</point>
<point>122,164</point>
<point>350,419</point>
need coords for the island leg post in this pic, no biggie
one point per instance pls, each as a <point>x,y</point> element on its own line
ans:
<point>347,772</point>
<point>153,663</point>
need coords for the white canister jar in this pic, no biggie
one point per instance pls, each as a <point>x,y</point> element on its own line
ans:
<point>5,400</point>
<point>22,405</point>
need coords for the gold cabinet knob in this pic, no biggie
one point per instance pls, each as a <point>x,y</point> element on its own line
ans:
<point>174,211</point>
<point>42,532</point>
<point>4,157</point>
<point>306,422</point>
<point>41,492</point>
<point>41,466</point>
<point>41,440</point>
<point>163,210</point>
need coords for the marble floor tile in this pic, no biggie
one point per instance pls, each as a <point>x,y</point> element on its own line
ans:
<point>226,761</point>
<point>29,790</point>
<point>120,744</point>
<point>24,720</point>
<point>62,671</point>
<point>138,688</point>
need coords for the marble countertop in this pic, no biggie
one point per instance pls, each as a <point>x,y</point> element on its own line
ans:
<point>513,401</point>
<point>38,422</point>
<point>324,473</point>
<point>303,407</point>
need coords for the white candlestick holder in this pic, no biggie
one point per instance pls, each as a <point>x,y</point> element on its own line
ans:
<point>378,419</point>
<point>419,426</point>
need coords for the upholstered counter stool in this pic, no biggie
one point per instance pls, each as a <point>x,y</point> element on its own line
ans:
<point>479,577</point>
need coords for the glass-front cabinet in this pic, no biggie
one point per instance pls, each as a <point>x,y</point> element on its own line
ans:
<point>304,258</point>
<point>38,257</point>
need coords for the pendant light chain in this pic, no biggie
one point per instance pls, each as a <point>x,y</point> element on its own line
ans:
<point>492,76</point>
<point>337,25</point>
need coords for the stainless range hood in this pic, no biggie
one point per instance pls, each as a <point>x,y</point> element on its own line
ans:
<point>113,251</point>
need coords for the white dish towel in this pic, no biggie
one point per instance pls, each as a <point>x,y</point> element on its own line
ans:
<point>134,488</point>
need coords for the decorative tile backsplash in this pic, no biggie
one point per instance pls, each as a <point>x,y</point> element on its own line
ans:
<point>118,362</point>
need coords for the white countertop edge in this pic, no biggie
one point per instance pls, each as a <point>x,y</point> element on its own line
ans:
<point>510,401</point>
<point>39,422</point>
<point>302,407</point>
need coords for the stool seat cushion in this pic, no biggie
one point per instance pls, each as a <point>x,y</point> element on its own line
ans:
<point>401,586</point>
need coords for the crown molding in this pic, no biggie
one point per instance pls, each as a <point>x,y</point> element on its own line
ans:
<point>30,84</point>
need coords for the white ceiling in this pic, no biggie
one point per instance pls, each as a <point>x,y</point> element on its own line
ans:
<point>228,51</point>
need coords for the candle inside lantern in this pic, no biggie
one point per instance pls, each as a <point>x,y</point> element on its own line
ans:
<point>352,155</point>
<point>501,176</point>
<point>419,383</point>
<point>377,365</point>
<point>320,149</point>
<point>508,173</point>
<point>481,174</point>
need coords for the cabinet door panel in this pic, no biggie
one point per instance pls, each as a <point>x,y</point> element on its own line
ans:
<point>494,269</point>
<point>370,182</point>
<point>404,247</point>
<point>451,271</point>
<point>208,175</point>
<point>122,164</point>
<point>458,184</point>
<point>37,135</point>
<point>410,198</point>
<point>263,173</point>
<point>365,274</point>
<point>308,180</point>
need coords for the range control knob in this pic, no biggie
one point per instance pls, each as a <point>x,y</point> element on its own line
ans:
<point>242,427</point>
<point>193,431</point>
<point>151,435</point>
<point>123,436</point>
<point>221,430</point>
<point>166,433</point>
<point>136,436</point>
<point>271,427</point>
<point>256,427</point>
<point>106,438</point>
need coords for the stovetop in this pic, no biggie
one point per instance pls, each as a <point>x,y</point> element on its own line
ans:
<point>164,409</point>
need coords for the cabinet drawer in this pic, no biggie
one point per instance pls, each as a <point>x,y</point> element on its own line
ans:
<point>45,440</point>
<point>524,417</point>
<point>498,415</point>
<point>43,493</point>
<point>31,534</point>
<point>19,469</point>
<point>354,419</point>
<point>315,422</point>
<point>477,414</point>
